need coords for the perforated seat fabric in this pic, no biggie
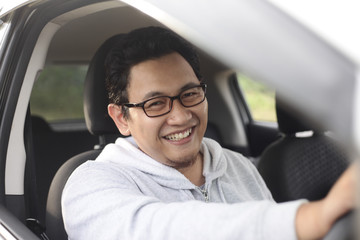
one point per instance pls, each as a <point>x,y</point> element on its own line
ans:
<point>300,167</point>
<point>295,168</point>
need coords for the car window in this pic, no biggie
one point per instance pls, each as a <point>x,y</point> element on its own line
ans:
<point>260,99</point>
<point>4,29</point>
<point>58,93</point>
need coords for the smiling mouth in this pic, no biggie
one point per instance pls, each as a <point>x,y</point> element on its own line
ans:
<point>179,136</point>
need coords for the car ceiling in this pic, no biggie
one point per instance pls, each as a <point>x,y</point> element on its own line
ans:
<point>90,31</point>
<point>98,27</point>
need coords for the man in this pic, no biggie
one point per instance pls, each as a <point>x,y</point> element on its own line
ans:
<point>168,182</point>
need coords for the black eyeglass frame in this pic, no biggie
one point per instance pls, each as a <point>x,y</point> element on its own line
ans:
<point>142,104</point>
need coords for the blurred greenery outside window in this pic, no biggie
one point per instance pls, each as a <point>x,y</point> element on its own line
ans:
<point>260,99</point>
<point>58,93</point>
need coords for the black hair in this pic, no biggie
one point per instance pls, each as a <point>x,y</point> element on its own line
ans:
<point>138,46</point>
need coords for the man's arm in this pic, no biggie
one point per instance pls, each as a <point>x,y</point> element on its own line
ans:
<point>314,219</point>
<point>101,201</point>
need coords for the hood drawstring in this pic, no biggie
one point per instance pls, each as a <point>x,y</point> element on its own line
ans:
<point>205,193</point>
<point>204,190</point>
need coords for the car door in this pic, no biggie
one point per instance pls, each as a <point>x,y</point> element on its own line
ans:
<point>12,69</point>
<point>20,32</point>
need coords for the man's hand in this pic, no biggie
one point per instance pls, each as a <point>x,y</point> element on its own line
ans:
<point>314,219</point>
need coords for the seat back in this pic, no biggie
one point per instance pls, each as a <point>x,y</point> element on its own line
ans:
<point>54,222</point>
<point>51,149</point>
<point>98,123</point>
<point>296,167</point>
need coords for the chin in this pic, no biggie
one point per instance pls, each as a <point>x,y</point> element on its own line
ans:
<point>183,162</point>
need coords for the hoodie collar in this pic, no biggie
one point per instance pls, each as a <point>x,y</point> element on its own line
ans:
<point>214,160</point>
<point>126,153</point>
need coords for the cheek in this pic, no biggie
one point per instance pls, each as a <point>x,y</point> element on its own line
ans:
<point>201,113</point>
<point>206,107</point>
<point>204,111</point>
<point>204,118</point>
<point>144,128</point>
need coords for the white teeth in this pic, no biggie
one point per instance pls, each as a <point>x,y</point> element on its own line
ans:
<point>178,136</point>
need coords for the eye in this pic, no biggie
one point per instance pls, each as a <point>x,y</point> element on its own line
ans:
<point>190,94</point>
<point>155,104</point>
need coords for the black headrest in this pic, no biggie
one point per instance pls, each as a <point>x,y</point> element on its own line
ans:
<point>97,119</point>
<point>288,121</point>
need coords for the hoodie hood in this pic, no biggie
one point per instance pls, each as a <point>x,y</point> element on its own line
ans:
<point>125,153</point>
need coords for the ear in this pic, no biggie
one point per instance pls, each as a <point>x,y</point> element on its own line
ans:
<point>115,112</point>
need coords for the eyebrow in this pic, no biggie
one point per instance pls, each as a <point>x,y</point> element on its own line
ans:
<point>158,94</point>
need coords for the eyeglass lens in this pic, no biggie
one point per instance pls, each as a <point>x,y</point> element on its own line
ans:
<point>162,105</point>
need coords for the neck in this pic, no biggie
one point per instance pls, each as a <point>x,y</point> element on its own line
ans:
<point>195,172</point>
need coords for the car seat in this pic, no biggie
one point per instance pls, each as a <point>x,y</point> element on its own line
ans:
<point>57,146</point>
<point>98,123</point>
<point>295,167</point>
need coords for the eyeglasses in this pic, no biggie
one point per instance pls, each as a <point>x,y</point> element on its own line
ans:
<point>159,106</point>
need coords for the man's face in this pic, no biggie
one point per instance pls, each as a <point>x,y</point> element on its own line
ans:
<point>166,76</point>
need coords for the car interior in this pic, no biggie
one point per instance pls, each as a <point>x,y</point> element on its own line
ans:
<point>53,147</point>
<point>297,166</point>
<point>293,165</point>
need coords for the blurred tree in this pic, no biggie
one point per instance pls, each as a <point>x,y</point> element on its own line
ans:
<point>260,99</point>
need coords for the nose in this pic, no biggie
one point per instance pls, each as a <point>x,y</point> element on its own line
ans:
<point>179,114</point>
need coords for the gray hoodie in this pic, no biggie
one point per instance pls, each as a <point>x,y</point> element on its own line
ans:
<point>125,194</point>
